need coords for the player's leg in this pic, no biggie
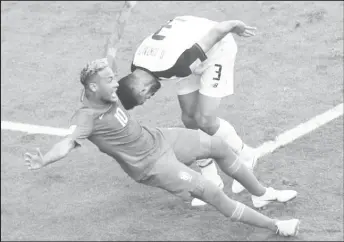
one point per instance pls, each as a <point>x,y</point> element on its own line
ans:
<point>233,165</point>
<point>188,98</point>
<point>190,145</point>
<point>211,124</point>
<point>173,176</point>
<point>217,83</point>
<point>187,91</point>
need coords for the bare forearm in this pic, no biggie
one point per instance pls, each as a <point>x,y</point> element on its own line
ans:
<point>216,34</point>
<point>58,151</point>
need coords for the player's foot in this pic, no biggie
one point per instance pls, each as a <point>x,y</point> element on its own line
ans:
<point>288,227</point>
<point>273,195</point>
<point>250,161</point>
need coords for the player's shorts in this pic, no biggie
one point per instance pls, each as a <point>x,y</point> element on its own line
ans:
<point>171,171</point>
<point>215,76</point>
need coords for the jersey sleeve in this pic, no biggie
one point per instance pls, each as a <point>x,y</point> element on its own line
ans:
<point>81,126</point>
<point>189,60</point>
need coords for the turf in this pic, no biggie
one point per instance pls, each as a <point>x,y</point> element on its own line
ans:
<point>289,72</point>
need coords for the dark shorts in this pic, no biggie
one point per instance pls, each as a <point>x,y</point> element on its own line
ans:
<point>171,171</point>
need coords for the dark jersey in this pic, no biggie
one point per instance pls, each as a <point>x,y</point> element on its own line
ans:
<point>117,134</point>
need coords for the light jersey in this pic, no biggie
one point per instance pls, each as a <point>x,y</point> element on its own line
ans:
<point>117,134</point>
<point>160,51</point>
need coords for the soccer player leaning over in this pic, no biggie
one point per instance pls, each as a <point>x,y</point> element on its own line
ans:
<point>160,157</point>
<point>201,54</point>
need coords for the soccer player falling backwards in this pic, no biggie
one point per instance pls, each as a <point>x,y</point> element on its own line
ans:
<point>160,157</point>
<point>201,54</point>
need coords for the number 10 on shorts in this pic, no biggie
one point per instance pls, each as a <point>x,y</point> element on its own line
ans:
<point>217,77</point>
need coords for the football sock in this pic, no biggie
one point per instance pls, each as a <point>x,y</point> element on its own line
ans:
<point>241,173</point>
<point>236,211</point>
<point>227,132</point>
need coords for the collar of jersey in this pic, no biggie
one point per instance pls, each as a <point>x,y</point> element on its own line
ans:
<point>100,108</point>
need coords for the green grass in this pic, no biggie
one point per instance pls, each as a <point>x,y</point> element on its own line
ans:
<point>289,72</point>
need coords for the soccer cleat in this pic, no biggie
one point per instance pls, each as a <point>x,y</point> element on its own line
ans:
<point>288,227</point>
<point>273,195</point>
<point>197,202</point>
<point>250,163</point>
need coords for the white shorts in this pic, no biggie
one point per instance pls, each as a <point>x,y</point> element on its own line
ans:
<point>214,77</point>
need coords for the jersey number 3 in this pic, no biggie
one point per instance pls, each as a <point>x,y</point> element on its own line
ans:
<point>121,117</point>
<point>158,35</point>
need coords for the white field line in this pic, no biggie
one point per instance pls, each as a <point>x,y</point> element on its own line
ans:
<point>300,130</point>
<point>33,129</point>
<point>266,148</point>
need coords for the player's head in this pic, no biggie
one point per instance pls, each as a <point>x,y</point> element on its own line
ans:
<point>99,81</point>
<point>135,88</point>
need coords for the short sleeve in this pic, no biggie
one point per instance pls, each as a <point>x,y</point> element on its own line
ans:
<point>81,126</point>
<point>192,57</point>
<point>187,62</point>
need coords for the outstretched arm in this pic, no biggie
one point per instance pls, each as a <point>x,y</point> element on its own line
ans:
<point>81,128</point>
<point>220,30</point>
<point>57,152</point>
<point>114,39</point>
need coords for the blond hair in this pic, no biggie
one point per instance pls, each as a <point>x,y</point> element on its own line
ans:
<point>91,69</point>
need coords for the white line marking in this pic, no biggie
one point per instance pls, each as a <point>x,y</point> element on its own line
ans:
<point>33,129</point>
<point>300,130</point>
<point>266,148</point>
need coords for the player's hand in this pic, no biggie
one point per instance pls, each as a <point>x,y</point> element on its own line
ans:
<point>34,161</point>
<point>130,4</point>
<point>241,29</point>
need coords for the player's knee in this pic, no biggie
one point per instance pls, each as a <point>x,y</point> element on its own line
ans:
<point>188,121</point>
<point>209,192</point>
<point>219,149</point>
<point>224,156</point>
<point>204,122</point>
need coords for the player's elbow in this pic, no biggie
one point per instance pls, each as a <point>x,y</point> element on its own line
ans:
<point>204,122</point>
<point>217,31</point>
<point>59,150</point>
<point>213,36</point>
<point>224,27</point>
<point>66,146</point>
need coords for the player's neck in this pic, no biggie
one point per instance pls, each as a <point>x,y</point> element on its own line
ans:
<point>94,102</point>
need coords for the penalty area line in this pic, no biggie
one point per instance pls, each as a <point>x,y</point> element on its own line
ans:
<point>33,129</point>
<point>300,130</point>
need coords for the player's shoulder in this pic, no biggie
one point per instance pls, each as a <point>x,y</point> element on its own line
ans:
<point>188,17</point>
<point>83,113</point>
<point>85,110</point>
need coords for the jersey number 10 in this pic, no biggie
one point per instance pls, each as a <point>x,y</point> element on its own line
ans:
<point>121,117</point>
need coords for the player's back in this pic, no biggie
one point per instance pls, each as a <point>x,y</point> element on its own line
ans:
<point>182,30</point>
<point>160,50</point>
